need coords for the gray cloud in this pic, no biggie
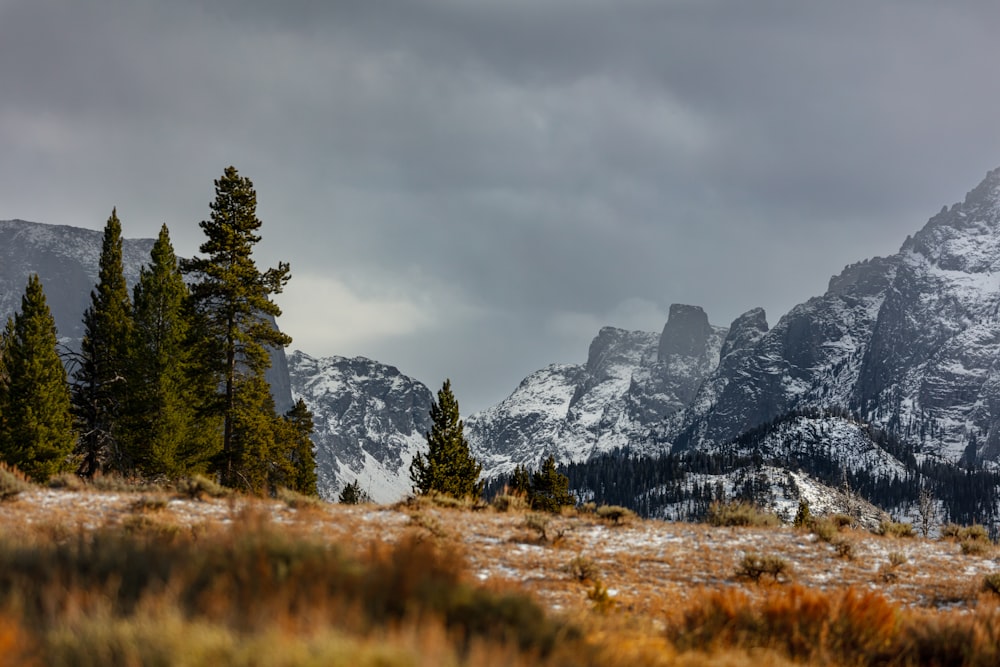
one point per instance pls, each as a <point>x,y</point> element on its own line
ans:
<point>459,185</point>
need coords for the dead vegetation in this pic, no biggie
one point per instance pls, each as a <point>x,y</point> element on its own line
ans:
<point>158,577</point>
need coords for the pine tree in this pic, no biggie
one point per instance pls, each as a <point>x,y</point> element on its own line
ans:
<point>259,459</point>
<point>549,488</point>
<point>167,437</point>
<point>232,299</point>
<point>100,387</point>
<point>6,335</point>
<point>448,468</point>
<point>520,481</point>
<point>353,494</point>
<point>803,518</point>
<point>302,477</point>
<point>37,434</point>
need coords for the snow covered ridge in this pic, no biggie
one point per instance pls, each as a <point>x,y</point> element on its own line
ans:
<point>369,419</point>
<point>631,380</point>
<point>908,342</point>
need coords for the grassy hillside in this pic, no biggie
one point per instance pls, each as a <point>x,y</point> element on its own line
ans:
<point>179,577</point>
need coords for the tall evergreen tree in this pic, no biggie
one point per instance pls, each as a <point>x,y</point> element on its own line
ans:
<point>259,461</point>
<point>6,335</point>
<point>302,477</point>
<point>37,434</point>
<point>449,467</point>
<point>167,437</point>
<point>100,386</point>
<point>232,299</point>
<point>549,488</point>
<point>520,481</point>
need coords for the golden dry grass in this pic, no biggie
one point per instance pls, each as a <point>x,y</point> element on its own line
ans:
<point>653,593</point>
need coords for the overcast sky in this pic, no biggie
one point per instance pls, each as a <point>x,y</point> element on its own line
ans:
<point>472,188</point>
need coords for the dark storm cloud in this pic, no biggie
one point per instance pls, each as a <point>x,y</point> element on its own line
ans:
<point>469,189</point>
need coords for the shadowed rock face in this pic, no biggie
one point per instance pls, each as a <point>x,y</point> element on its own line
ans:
<point>686,333</point>
<point>910,342</point>
<point>744,332</point>
<point>66,260</point>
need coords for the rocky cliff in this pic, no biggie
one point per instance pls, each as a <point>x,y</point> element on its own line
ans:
<point>909,342</point>
<point>370,420</point>
<point>631,380</point>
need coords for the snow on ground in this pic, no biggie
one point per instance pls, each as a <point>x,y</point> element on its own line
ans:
<point>651,565</point>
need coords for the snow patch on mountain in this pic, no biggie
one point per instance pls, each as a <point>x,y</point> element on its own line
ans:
<point>369,420</point>
<point>631,379</point>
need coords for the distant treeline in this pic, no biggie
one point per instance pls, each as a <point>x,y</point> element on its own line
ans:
<point>649,485</point>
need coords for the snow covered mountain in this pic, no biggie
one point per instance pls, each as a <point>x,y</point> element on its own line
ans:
<point>906,346</point>
<point>370,420</point>
<point>632,380</point>
<point>909,342</point>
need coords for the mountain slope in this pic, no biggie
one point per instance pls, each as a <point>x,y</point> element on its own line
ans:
<point>632,380</point>
<point>909,342</point>
<point>370,420</point>
<point>66,260</point>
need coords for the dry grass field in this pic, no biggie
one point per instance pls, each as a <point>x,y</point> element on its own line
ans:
<point>109,577</point>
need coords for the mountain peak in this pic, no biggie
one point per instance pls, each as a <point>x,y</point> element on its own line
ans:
<point>686,332</point>
<point>965,237</point>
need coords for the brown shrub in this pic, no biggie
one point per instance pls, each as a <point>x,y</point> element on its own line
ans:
<point>616,514</point>
<point>754,566</point>
<point>848,626</point>
<point>975,547</point>
<point>583,569</point>
<point>12,482</point>
<point>824,529</point>
<point>894,529</point>
<point>740,514</point>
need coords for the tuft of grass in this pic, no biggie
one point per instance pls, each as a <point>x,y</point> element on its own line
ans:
<point>740,514</point>
<point>600,598</point>
<point>583,569</point>
<point>12,482</point>
<point>429,523</point>
<point>843,627</point>
<point>510,502</point>
<point>112,483</point>
<point>199,487</point>
<point>616,514</point>
<point>546,529</point>
<point>754,566</point>
<point>897,559</point>
<point>991,583</point>
<point>973,540</point>
<point>844,548</point>
<point>895,529</point>
<point>146,503</point>
<point>889,572</point>
<point>445,501</point>
<point>824,529</point>
<point>297,500</point>
<point>975,547</point>
<point>67,481</point>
